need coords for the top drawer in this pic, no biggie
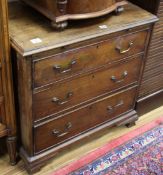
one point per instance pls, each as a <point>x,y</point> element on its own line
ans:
<point>83,59</point>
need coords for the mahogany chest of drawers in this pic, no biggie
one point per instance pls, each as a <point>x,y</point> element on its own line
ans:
<point>75,82</point>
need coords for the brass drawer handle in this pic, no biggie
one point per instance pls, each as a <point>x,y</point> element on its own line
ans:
<point>112,108</point>
<point>65,132</point>
<point>122,51</point>
<point>61,70</point>
<point>123,76</point>
<point>62,102</point>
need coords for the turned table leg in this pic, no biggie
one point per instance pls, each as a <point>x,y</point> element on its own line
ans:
<point>11,146</point>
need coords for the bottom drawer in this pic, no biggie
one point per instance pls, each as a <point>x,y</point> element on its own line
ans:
<point>74,123</point>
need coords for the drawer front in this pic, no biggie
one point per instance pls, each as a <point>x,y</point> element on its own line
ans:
<point>65,95</point>
<point>75,123</point>
<point>71,63</point>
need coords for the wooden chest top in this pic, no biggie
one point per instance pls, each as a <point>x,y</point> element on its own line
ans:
<point>31,32</point>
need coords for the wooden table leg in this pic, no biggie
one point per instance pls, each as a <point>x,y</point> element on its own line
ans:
<point>11,146</point>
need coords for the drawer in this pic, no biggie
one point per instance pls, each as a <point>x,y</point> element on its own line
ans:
<point>75,61</point>
<point>63,96</point>
<point>75,123</point>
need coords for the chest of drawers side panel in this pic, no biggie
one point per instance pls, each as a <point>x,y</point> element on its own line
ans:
<point>25,102</point>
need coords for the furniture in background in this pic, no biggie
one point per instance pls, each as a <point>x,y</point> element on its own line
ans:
<point>60,11</point>
<point>151,90</point>
<point>76,82</point>
<point>7,110</point>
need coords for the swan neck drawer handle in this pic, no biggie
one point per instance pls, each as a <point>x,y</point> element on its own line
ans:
<point>62,102</point>
<point>123,51</point>
<point>58,133</point>
<point>61,70</point>
<point>112,108</point>
<point>123,76</point>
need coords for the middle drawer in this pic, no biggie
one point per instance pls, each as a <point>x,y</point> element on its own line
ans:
<point>63,96</point>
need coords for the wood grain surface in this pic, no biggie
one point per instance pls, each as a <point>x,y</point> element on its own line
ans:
<point>77,32</point>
